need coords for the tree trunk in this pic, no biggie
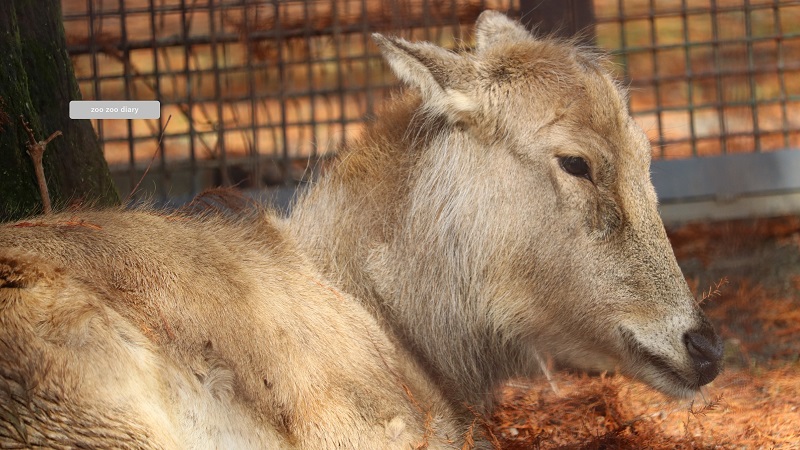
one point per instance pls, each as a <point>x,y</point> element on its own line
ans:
<point>37,82</point>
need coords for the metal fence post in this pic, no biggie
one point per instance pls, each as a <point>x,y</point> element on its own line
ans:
<point>564,18</point>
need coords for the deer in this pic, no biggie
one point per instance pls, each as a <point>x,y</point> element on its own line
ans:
<point>498,212</point>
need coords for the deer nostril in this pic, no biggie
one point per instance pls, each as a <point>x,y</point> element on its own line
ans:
<point>705,348</point>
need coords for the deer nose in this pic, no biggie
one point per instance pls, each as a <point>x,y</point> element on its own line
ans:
<point>705,348</point>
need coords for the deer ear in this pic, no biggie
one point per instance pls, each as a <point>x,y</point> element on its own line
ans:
<point>493,28</point>
<point>437,72</point>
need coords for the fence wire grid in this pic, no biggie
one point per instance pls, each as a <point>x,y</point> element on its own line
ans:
<point>256,93</point>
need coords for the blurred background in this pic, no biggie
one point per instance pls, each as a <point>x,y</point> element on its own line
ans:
<point>261,93</point>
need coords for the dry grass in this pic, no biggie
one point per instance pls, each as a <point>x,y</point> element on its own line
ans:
<point>743,409</point>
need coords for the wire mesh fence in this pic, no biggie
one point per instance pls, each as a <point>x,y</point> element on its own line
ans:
<point>709,76</point>
<point>256,93</point>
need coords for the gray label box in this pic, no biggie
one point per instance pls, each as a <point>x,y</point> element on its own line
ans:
<point>114,109</point>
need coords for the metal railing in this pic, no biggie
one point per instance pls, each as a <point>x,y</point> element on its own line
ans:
<point>256,93</point>
<point>711,77</point>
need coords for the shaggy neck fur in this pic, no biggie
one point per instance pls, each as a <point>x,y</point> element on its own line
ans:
<point>396,225</point>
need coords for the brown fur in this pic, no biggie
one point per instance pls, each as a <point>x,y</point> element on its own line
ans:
<point>444,253</point>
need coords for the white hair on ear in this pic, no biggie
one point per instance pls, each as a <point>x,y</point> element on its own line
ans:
<point>435,71</point>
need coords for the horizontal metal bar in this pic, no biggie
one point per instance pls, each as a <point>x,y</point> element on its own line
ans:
<point>177,8</point>
<point>726,177</point>
<point>728,136</point>
<point>717,105</point>
<point>279,34</point>
<point>318,94</point>
<point>696,76</point>
<point>228,69</point>
<point>690,11</point>
<point>712,42</point>
<point>232,160</point>
<point>240,128</point>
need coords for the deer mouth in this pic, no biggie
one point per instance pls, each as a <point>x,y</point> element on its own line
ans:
<point>657,370</point>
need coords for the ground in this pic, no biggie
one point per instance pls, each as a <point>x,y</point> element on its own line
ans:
<point>748,273</point>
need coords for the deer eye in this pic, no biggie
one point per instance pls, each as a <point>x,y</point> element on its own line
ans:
<point>575,166</point>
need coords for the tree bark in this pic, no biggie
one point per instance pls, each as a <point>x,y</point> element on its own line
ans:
<point>37,83</point>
